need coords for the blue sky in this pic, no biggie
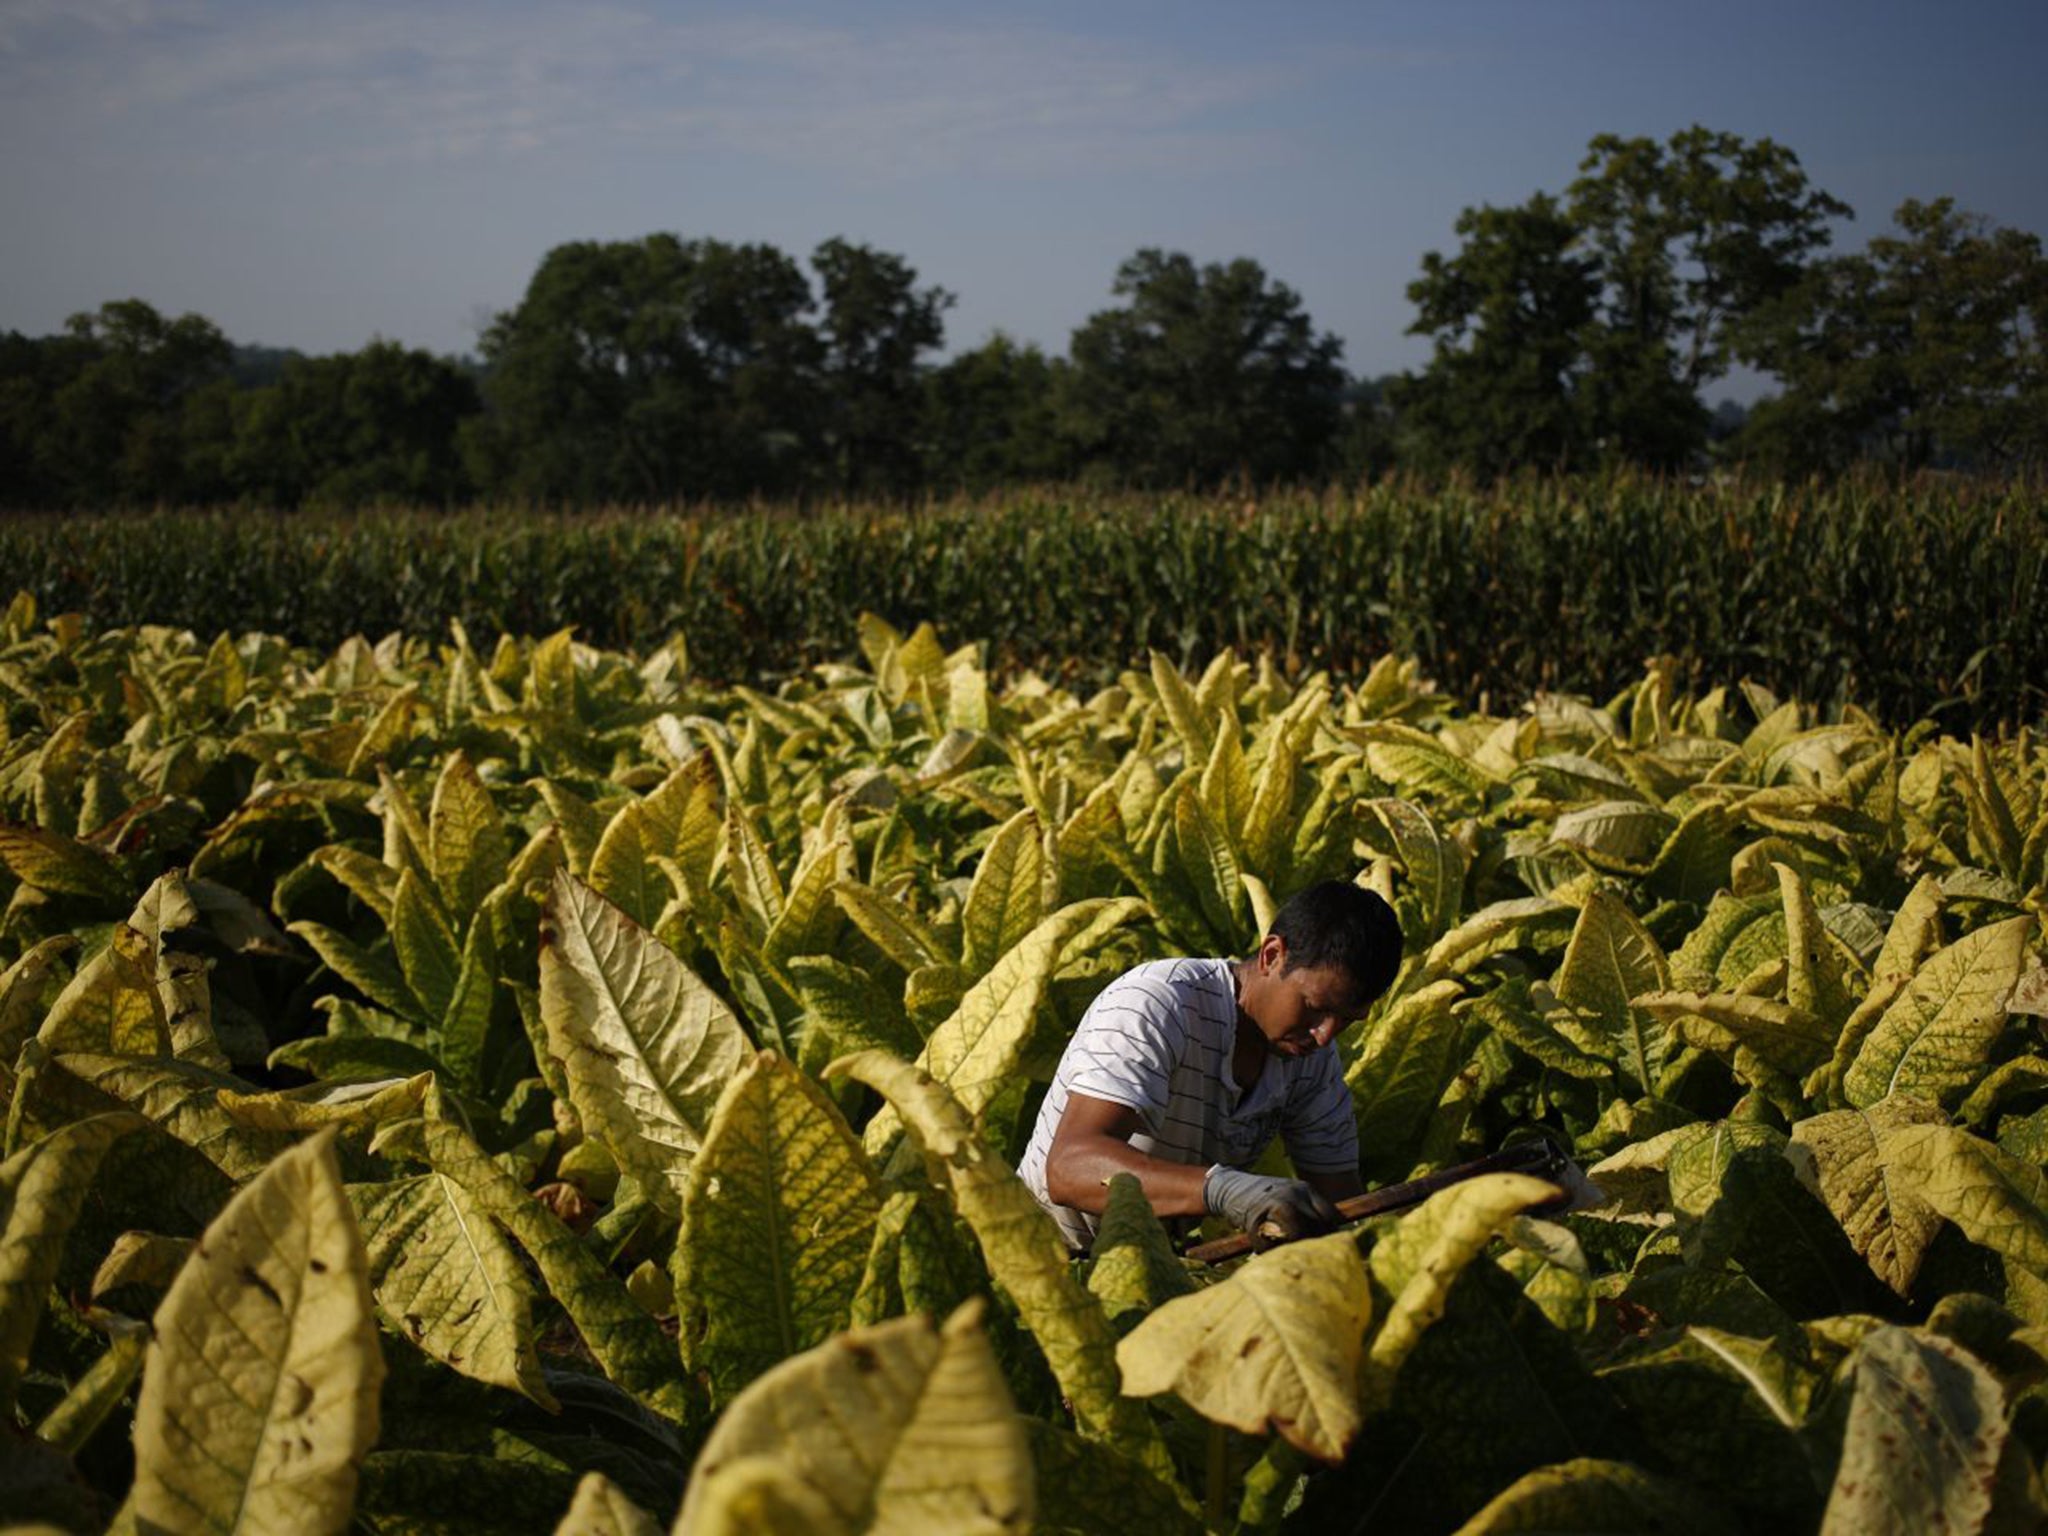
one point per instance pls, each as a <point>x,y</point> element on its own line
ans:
<point>312,174</point>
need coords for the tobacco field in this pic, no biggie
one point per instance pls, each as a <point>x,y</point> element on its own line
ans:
<point>529,1087</point>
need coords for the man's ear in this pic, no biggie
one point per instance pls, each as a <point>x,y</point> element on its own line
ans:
<point>1272,955</point>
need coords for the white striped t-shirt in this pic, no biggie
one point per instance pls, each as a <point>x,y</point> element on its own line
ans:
<point>1158,1040</point>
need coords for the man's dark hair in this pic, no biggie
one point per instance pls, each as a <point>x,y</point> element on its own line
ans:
<point>1337,923</point>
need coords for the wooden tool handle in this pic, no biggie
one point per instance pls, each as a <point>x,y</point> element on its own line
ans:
<point>1540,1157</point>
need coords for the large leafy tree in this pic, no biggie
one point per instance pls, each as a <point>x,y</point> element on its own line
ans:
<point>1925,347</point>
<point>379,424</point>
<point>1583,329</point>
<point>1205,372</point>
<point>876,326</point>
<point>992,418</point>
<point>127,406</point>
<point>1509,314</point>
<point>651,369</point>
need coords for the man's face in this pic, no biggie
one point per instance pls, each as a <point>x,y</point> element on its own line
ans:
<point>1298,1009</point>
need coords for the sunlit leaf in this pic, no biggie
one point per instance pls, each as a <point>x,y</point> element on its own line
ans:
<point>259,1397</point>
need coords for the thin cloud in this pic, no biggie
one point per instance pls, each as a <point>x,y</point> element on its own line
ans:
<point>380,82</point>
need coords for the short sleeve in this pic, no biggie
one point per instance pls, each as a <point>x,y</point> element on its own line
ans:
<point>1318,1125</point>
<point>1126,1047</point>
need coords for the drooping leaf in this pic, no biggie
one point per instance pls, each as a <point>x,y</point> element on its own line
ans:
<point>1404,1063</point>
<point>1787,1039</point>
<point>1589,1497</point>
<point>1726,1411</point>
<point>601,1508</point>
<point>1276,1347</point>
<point>1997,1200</point>
<point>1925,1431</point>
<point>1883,1214</point>
<point>1421,1258</point>
<point>975,1052</point>
<point>425,945</point>
<point>678,821</point>
<point>897,1428</point>
<point>628,1345</point>
<point>1080,1479</point>
<point>776,1225</point>
<point>259,1396</point>
<point>41,1190</point>
<point>445,1278</point>
<point>1023,1249</point>
<point>647,1046</point>
<point>1936,1036</point>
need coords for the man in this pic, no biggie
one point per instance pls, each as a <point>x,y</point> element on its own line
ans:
<point>1182,1071</point>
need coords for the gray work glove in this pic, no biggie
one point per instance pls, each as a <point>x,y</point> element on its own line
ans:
<point>1267,1209</point>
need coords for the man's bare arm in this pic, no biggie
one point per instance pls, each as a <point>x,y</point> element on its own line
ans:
<point>1093,1143</point>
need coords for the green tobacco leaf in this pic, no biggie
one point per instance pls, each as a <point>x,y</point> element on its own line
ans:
<point>21,992</point>
<point>893,928</point>
<point>811,919</point>
<point>1935,1038</point>
<point>628,1345</point>
<point>1433,862</point>
<point>1883,1214</point>
<point>1006,900</point>
<point>1693,864</point>
<point>1610,961</point>
<point>1421,1258</point>
<point>1925,1431</point>
<point>444,1278</point>
<point>468,847</point>
<point>1589,1497</point>
<point>95,1396</point>
<point>465,1027</point>
<point>181,1099</point>
<point>1023,1249</point>
<point>375,975</point>
<point>42,1188</point>
<point>1737,934</point>
<point>141,1258</point>
<point>897,1428</point>
<point>259,1397</point>
<point>1523,923</point>
<point>425,946</point>
<point>1725,1412</point>
<point>1177,699</point>
<point>678,821</point>
<point>360,1106</point>
<point>1404,1063</point>
<point>1787,1039</point>
<point>1621,835</point>
<point>451,1493</point>
<point>372,881</point>
<point>776,1225</point>
<point>1276,1347</point>
<point>1133,1269</point>
<point>750,870</point>
<point>52,862</point>
<point>600,1508</point>
<point>165,918</point>
<point>1210,867</point>
<point>1996,1199</point>
<point>1813,979</point>
<point>976,1051</point>
<point>647,1046</point>
<point>1784,1238</point>
<point>845,1011</point>
<point>112,1006</point>
<point>1078,1480</point>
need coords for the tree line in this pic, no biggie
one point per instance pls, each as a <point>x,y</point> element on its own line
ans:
<point>1571,332</point>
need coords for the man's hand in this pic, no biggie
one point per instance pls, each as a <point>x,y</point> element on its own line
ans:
<point>1267,1209</point>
